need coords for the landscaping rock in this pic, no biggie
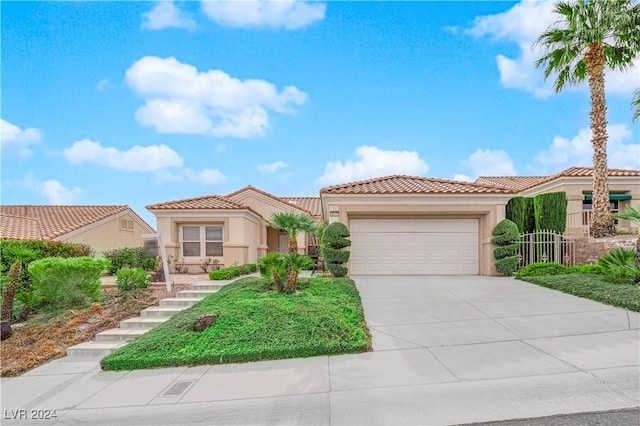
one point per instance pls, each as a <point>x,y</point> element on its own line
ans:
<point>204,322</point>
<point>6,330</point>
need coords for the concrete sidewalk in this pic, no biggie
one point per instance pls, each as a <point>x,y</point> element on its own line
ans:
<point>447,350</point>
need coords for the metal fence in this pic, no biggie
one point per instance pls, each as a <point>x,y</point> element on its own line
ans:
<point>546,246</point>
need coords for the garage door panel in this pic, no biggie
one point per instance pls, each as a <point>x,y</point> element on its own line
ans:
<point>414,246</point>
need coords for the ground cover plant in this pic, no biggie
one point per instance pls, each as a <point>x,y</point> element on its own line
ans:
<point>255,322</point>
<point>595,282</point>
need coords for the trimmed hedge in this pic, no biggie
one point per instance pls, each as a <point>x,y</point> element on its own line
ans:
<point>516,212</point>
<point>505,235</point>
<point>551,212</point>
<point>233,271</point>
<point>334,239</point>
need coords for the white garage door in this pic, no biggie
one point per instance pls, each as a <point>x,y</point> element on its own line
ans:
<point>414,246</point>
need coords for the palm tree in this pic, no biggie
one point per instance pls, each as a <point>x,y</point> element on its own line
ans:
<point>590,37</point>
<point>636,105</point>
<point>292,224</point>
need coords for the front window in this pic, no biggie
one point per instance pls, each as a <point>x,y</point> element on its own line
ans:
<point>201,241</point>
<point>587,205</point>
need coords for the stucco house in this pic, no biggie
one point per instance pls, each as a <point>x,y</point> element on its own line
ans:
<point>399,224</point>
<point>103,228</point>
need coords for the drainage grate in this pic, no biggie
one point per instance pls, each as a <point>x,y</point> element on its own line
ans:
<point>178,388</point>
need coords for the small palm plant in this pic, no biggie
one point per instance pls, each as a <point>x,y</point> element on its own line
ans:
<point>20,256</point>
<point>292,224</point>
<point>632,214</point>
<point>283,270</point>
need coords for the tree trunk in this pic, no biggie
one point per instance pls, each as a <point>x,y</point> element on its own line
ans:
<point>292,276</point>
<point>601,221</point>
<point>10,291</point>
<point>277,280</point>
<point>293,244</point>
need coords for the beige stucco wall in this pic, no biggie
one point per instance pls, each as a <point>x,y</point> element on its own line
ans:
<point>107,235</point>
<point>488,209</point>
<point>576,188</point>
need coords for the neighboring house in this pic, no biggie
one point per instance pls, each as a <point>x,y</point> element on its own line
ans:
<point>101,227</point>
<point>404,225</point>
<point>232,228</point>
<point>576,182</point>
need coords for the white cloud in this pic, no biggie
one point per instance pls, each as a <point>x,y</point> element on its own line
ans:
<point>463,177</point>
<point>181,99</point>
<point>57,193</point>
<point>104,84</point>
<point>12,136</point>
<point>165,14</point>
<point>522,25</point>
<point>287,14</point>
<point>373,162</point>
<point>137,158</point>
<point>577,151</point>
<point>487,162</point>
<point>272,167</point>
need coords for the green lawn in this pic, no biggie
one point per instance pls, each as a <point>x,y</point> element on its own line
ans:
<point>324,317</point>
<point>592,286</point>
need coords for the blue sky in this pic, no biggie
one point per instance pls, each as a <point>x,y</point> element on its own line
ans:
<point>141,102</point>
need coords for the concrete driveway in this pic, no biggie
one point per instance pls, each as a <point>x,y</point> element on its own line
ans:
<point>447,350</point>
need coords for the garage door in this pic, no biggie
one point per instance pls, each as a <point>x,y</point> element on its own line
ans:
<point>414,246</point>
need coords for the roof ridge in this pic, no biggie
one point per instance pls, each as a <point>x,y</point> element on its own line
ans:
<point>182,200</point>
<point>267,194</point>
<point>397,176</point>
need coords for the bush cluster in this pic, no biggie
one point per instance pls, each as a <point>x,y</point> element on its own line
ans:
<point>544,212</point>
<point>233,271</point>
<point>132,279</point>
<point>130,257</point>
<point>505,235</point>
<point>65,283</point>
<point>334,240</point>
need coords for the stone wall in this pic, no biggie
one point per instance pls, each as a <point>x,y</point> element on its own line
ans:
<point>588,250</point>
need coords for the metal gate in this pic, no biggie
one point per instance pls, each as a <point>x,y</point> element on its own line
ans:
<point>546,246</point>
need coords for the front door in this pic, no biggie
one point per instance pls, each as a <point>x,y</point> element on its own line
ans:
<point>284,243</point>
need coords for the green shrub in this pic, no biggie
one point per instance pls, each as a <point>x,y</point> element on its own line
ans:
<point>505,234</point>
<point>129,257</point>
<point>335,256</point>
<point>543,268</point>
<point>131,279</point>
<point>334,239</point>
<point>248,268</point>
<point>529,216</point>
<point>65,283</point>
<point>516,211</point>
<point>551,211</point>
<point>587,269</point>
<point>267,262</point>
<point>234,271</point>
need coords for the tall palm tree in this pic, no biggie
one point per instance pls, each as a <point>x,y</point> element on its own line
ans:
<point>635,104</point>
<point>589,37</point>
<point>292,224</point>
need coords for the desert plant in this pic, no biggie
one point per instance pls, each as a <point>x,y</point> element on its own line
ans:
<point>20,256</point>
<point>283,270</point>
<point>292,224</point>
<point>551,212</point>
<point>65,283</point>
<point>505,237</point>
<point>620,257</point>
<point>334,240</point>
<point>632,214</point>
<point>132,279</point>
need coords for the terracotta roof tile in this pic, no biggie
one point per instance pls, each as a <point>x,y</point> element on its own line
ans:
<point>521,183</point>
<point>312,204</point>
<point>54,221</point>
<point>401,184</point>
<point>207,202</point>
<point>19,228</point>
<point>266,194</point>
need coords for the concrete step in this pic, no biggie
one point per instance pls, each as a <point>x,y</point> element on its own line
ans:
<point>207,286</point>
<point>195,294</point>
<point>142,323</point>
<point>120,334</point>
<point>158,312</point>
<point>93,349</point>
<point>178,301</point>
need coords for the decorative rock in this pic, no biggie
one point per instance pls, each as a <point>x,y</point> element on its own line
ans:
<point>6,332</point>
<point>204,322</point>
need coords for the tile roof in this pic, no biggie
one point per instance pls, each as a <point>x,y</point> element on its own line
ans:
<point>312,204</point>
<point>52,221</point>
<point>521,183</point>
<point>401,184</point>
<point>266,194</point>
<point>19,228</point>
<point>206,202</point>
